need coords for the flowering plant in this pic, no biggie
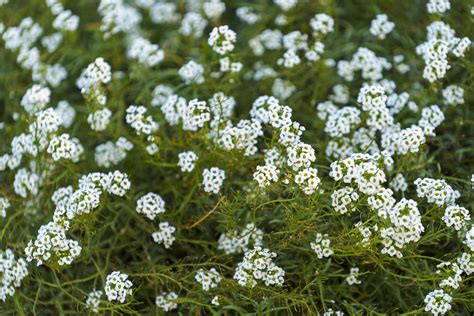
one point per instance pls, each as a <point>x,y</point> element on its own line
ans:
<point>236,157</point>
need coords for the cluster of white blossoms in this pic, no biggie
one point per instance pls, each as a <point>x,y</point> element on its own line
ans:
<point>438,302</point>
<point>237,242</point>
<point>441,40</point>
<point>241,137</point>
<point>118,17</point>
<point>208,278</point>
<point>145,52</point>
<point>4,206</point>
<point>21,39</point>
<point>367,62</point>
<point>137,119</point>
<point>453,95</point>
<point>12,272</point>
<point>222,39</point>
<point>353,277</point>
<point>187,161</point>
<point>195,115</point>
<point>265,175</point>
<point>341,121</point>
<point>431,117</point>
<point>374,101</point>
<point>436,191</point>
<point>99,119</point>
<point>193,24</point>
<point>331,312</point>
<point>150,205</point>
<point>344,199</point>
<point>247,15</point>
<point>65,147</point>
<point>404,219</point>
<point>370,131</point>
<point>167,301</point>
<point>26,182</point>
<point>164,235</point>
<point>409,140</point>
<point>257,265</point>
<point>406,227</point>
<point>286,5</point>
<point>438,6</point>
<point>93,79</point>
<point>321,246</point>
<point>213,9</point>
<point>381,26</point>
<point>399,183</point>
<point>118,287</point>
<point>322,24</point>
<point>51,244</point>
<point>192,72</point>
<point>111,154</point>
<point>93,300</point>
<point>212,179</point>
<point>360,169</point>
<point>35,99</point>
<point>307,179</point>
<point>65,20</point>
<point>456,216</point>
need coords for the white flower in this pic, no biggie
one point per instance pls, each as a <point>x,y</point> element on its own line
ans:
<point>212,179</point>
<point>321,246</point>
<point>353,277</point>
<point>438,302</point>
<point>93,300</point>
<point>208,278</point>
<point>167,301</point>
<point>187,161</point>
<point>150,204</point>
<point>118,287</point>
<point>222,39</point>
<point>164,235</point>
<point>381,26</point>
<point>257,265</point>
<point>192,72</point>
<point>12,272</point>
<point>265,175</point>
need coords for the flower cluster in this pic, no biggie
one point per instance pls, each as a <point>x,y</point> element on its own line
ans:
<point>436,191</point>
<point>136,117</point>
<point>208,278</point>
<point>257,265</point>
<point>167,301</point>
<point>93,300</point>
<point>321,246</point>
<point>381,26</point>
<point>13,271</point>
<point>438,302</point>
<point>118,287</point>
<point>111,154</point>
<point>4,206</point>
<point>353,277</point>
<point>237,242</point>
<point>265,175</point>
<point>150,205</point>
<point>187,161</point>
<point>319,137</point>
<point>212,179</point>
<point>164,235</point>
<point>222,39</point>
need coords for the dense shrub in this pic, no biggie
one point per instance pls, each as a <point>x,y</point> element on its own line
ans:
<point>236,157</point>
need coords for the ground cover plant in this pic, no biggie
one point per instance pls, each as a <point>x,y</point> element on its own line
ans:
<point>210,157</point>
